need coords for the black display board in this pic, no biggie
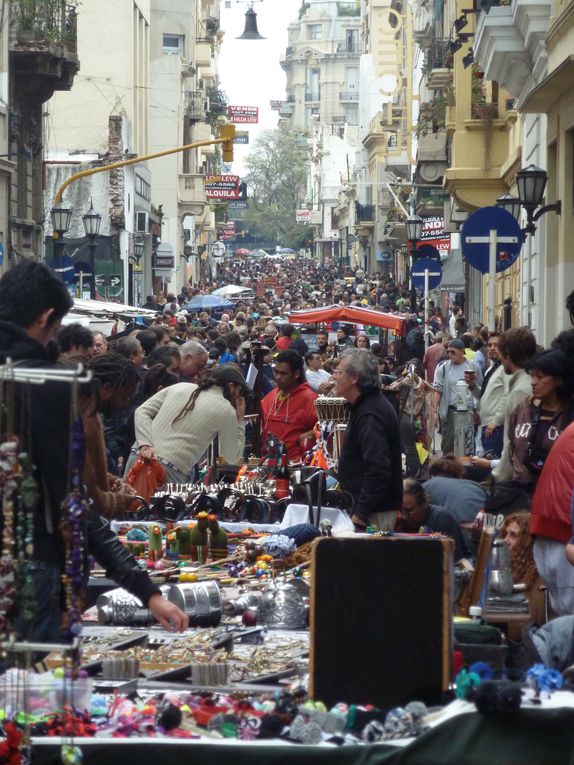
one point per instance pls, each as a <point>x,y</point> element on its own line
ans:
<point>381,620</point>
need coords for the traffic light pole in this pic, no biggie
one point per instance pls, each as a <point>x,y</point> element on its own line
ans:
<point>226,132</point>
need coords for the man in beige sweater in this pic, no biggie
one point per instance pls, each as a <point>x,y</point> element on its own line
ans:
<point>178,423</point>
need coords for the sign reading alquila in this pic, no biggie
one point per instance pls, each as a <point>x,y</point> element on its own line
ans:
<point>222,186</point>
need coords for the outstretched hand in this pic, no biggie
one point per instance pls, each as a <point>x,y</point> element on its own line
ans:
<point>168,614</point>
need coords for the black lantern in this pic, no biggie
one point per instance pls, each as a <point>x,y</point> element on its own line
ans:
<point>61,219</point>
<point>414,227</point>
<point>92,221</point>
<point>531,182</point>
<point>510,203</point>
<point>139,250</point>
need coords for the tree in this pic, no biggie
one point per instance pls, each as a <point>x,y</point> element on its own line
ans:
<point>276,176</point>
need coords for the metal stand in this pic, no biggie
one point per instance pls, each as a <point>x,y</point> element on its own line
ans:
<point>463,434</point>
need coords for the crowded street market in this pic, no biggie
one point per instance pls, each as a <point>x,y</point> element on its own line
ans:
<point>286,382</point>
<point>217,475</point>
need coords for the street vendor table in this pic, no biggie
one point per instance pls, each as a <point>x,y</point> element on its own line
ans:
<point>532,736</point>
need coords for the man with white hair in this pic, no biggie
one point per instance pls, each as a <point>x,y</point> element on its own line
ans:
<point>370,464</point>
<point>193,361</point>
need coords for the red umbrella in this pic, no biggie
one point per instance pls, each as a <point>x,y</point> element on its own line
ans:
<point>351,314</point>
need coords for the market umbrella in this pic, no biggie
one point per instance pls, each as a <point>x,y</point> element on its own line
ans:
<point>230,289</point>
<point>241,251</point>
<point>212,302</point>
<point>287,251</point>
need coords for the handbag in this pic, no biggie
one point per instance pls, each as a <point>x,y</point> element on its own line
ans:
<point>146,476</point>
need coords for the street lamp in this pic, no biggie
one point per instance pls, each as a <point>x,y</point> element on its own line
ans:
<point>531,182</point>
<point>414,227</point>
<point>92,221</point>
<point>139,249</point>
<point>511,204</point>
<point>61,219</point>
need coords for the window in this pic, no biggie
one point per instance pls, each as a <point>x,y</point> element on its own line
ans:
<point>352,113</point>
<point>314,32</point>
<point>352,40</point>
<point>173,45</point>
<point>143,188</point>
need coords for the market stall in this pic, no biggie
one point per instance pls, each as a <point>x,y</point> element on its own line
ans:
<point>352,315</point>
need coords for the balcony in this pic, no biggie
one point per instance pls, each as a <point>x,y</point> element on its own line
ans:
<point>191,194</point>
<point>509,44</point>
<point>202,52</point>
<point>287,109</point>
<point>314,96</point>
<point>364,214</point>
<point>479,146</point>
<point>438,64</point>
<point>349,95</point>
<point>196,105</point>
<point>217,104</point>
<point>43,46</point>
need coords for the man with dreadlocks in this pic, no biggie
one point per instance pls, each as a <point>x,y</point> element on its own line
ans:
<point>32,303</point>
<point>178,423</point>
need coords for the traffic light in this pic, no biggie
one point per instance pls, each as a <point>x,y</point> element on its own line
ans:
<point>242,191</point>
<point>227,132</point>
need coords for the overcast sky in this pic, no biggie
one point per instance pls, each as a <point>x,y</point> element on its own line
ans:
<point>249,70</point>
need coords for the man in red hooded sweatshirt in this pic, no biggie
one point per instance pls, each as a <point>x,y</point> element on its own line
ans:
<point>288,411</point>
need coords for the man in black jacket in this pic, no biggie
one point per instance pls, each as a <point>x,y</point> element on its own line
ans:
<point>370,466</point>
<point>32,303</point>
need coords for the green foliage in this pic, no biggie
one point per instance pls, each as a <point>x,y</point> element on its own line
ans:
<point>276,178</point>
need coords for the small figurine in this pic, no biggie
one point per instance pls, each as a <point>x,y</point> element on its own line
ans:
<point>155,537</point>
<point>183,537</point>
<point>198,538</point>
<point>218,539</point>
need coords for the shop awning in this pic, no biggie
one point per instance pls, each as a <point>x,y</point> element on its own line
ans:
<point>351,314</point>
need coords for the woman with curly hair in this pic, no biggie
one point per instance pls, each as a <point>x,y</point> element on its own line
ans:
<point>516,532</point>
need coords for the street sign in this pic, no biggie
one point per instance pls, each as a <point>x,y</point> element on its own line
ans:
<point>237,205</point>
<point>218,249</point>
<point>428,251</point>
<point>115,280</point>
<point>241,136</point>
<point>475,238</point>
<point>418,273</point>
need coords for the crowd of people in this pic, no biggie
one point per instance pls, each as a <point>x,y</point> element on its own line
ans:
<point>167,387</point>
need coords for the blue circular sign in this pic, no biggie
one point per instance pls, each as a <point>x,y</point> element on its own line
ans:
<point>479,225</point>
<point>427,251</point>
<point>421,265</point>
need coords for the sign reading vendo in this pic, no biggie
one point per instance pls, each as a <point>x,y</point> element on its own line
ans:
<point>223,186</point>
<point>243,115</point>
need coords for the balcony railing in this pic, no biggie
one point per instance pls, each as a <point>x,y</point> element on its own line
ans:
<point>44,22</point>
<point>314,96</point>
<point>349,95</point>
<point>438,56</point>
<point>364,213</point>
<point>196,106</point>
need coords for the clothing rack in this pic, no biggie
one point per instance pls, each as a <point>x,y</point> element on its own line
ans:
<point>14,373</point>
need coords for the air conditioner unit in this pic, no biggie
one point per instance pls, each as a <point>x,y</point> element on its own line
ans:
<point>142,222</point>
